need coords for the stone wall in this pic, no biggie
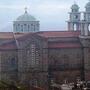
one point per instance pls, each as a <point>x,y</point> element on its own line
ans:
<point>66,61</point>
<point>33,61</point>
<point>85,40</point>
<point>9,65</point>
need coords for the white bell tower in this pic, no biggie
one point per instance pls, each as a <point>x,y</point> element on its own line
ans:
<point>85,25</point>
<point>74,18</point>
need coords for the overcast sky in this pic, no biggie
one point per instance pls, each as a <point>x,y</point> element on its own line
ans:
<point>52,14</point>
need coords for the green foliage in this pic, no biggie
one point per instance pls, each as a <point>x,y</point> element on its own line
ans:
<point>11,84</point>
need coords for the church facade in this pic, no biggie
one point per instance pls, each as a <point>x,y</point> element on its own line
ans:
<point>36,57</point>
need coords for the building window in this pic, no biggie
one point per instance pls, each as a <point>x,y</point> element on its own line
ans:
<point>13,64</point>
<point>16,28</point>
<point>37,25</point>
<point>31,24</point>
<point>35,55</point>
<point>22,28</point>
<point>76,17</point>
<point>24,24</point>
<point>33,27</point>
<point>28,27</point>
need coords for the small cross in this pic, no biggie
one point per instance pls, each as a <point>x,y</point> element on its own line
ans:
<point>74,2</point>
<point>25,9</point>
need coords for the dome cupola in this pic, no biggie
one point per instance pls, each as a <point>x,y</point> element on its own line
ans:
<point>75,7</point>
<point>26,17</point>
<point>26,23</point>
<point>74,18</point>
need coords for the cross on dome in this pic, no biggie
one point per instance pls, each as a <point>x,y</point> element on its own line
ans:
<point>25,9</point>
<point>74,2</point>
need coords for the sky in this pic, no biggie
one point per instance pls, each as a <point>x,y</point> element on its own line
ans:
<point>52,14</point>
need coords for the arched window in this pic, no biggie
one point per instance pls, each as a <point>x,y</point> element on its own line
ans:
<point>25,24</point>
<point>21,28</point>
<point>35,55</point>
<point>13,64</point>
<point>89,27</point>
<point>16,28</point>
<point>28,27</point>
<point>75,27</point>
<point>34,28</point>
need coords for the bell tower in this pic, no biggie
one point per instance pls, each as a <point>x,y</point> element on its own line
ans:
<point>85,25</point>
<point>74,18</point>
<point>85,41</point>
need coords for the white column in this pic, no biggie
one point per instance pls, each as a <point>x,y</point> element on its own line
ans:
<point>79,27</point>
<point>68,25</point>
<point>86,29</point>
<point>82,29</point>
<point>71,27</point>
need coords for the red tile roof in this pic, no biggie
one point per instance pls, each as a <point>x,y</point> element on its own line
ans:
<point>51,34</point>
<point>6,35</point>
<point>64,45</point>
<point>9,36</point>
<point>22,36</point>
<point>19,35</point>
<point>8,45</point>
<point>47,34</point>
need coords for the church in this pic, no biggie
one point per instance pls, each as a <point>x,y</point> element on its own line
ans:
<point>28,55</point>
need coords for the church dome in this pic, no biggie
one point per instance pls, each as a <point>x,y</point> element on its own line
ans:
<point>74,6</point>
<point>26,17</point>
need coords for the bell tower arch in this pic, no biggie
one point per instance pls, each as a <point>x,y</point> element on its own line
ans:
<point>85,25</point>
<point>74,18</point>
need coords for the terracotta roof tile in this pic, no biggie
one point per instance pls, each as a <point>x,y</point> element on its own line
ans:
<point>51,34</point>
<point>8,45</point>
<point>10,37</point>
<point>46,34</point>
<point>64,45</point>
<point>6,35</point>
